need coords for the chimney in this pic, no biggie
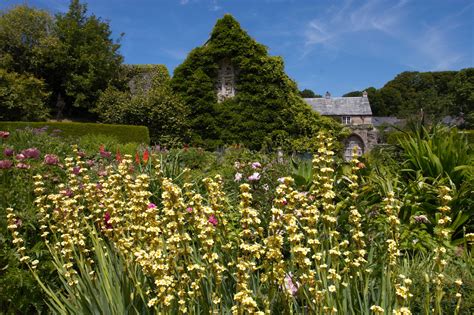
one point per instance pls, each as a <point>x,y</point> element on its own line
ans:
<point>328,95</point>
<point>364,94</point>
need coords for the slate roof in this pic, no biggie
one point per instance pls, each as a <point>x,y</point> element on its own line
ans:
<point>341,106</point>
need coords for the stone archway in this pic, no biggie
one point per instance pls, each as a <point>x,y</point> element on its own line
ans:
<point>351,142</point>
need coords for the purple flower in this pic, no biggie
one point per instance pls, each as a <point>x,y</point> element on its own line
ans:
<point>105,154</point>
<point>98,186</point>
<point>22,166</point>
<point>5,164</point>
<point>212,220</point>
<point>254,177</point>
<point>238,177</point>
<point>108,226</point>
<point>76,170</point>
<point>51,159</point>
<point>81,153</point>
<point>90,163</point>
<point>68,192</point>
<point>256,165</point>
<point>8,152</point>
<point>421,219</point>
<point>151,206</point>
<point>190,209</point>
<point>31,153</point>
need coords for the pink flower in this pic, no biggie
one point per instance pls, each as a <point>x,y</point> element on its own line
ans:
<point>291,287</point>
<point>151,206</point>
<point>5,164</point>
<point>212,220</point>
<point>51,159</point>
<point>105,154</point>
<point>190,209</point>
<point>256,165</point>
<point>254,177</point>
<point>4,134</point>
<point>22,166</point>
<point>90,163</point>
<point>31,153</point>
<point>8,152</point>
<point>238,177</point>
<point>20,157</point>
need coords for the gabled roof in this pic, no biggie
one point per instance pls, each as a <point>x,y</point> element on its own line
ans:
<point>341,106</point>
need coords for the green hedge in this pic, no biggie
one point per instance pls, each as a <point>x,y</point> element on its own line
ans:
<point>123,133</point>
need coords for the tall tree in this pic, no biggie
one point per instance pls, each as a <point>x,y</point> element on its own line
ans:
<point>23,32</point>
<point>82,61</point>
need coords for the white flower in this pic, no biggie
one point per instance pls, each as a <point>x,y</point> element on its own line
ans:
<point>238,177</point>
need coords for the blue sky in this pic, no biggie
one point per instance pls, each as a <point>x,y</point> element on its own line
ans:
<point>327,45</point>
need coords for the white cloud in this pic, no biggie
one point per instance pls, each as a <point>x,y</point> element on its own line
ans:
<point>430,45</point>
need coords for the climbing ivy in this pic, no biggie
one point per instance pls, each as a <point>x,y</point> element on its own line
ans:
<point>266,111</point>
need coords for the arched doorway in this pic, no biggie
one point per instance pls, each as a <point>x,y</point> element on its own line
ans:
<point>350,143</point>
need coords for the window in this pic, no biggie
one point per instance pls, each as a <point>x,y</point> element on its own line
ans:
<point>346,120</point>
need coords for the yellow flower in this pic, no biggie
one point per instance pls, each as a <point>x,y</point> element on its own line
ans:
<point>377,309</point>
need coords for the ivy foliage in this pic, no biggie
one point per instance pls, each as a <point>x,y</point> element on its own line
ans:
<point>266,111</point>
<point>145,98</point>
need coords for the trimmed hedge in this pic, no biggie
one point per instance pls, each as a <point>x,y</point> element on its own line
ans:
<point>123,133</point>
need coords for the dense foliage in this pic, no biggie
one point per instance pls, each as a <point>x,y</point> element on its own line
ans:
<point>437,93</point>
<point>146,99</point>
<point>122,133</point>
<point>372,232</point>
<point>22,97</point>
<point>73,54</point>
<point>266,110</point>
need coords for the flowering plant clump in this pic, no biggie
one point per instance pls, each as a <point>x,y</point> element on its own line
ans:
<point>309,252</point>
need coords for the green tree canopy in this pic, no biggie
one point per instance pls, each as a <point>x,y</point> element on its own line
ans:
<point>267,108</point>
<point>23,33</point>
<point>22,97</point>
<point>307,93</point>
<point>437,93</point>
<point>83,60</point>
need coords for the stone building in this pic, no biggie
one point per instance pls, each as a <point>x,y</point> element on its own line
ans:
<point>355,113</point>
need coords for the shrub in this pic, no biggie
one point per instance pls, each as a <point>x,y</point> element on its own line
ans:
<point>22,97</point>
<point>148,101</point>
<point>122,133</point>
